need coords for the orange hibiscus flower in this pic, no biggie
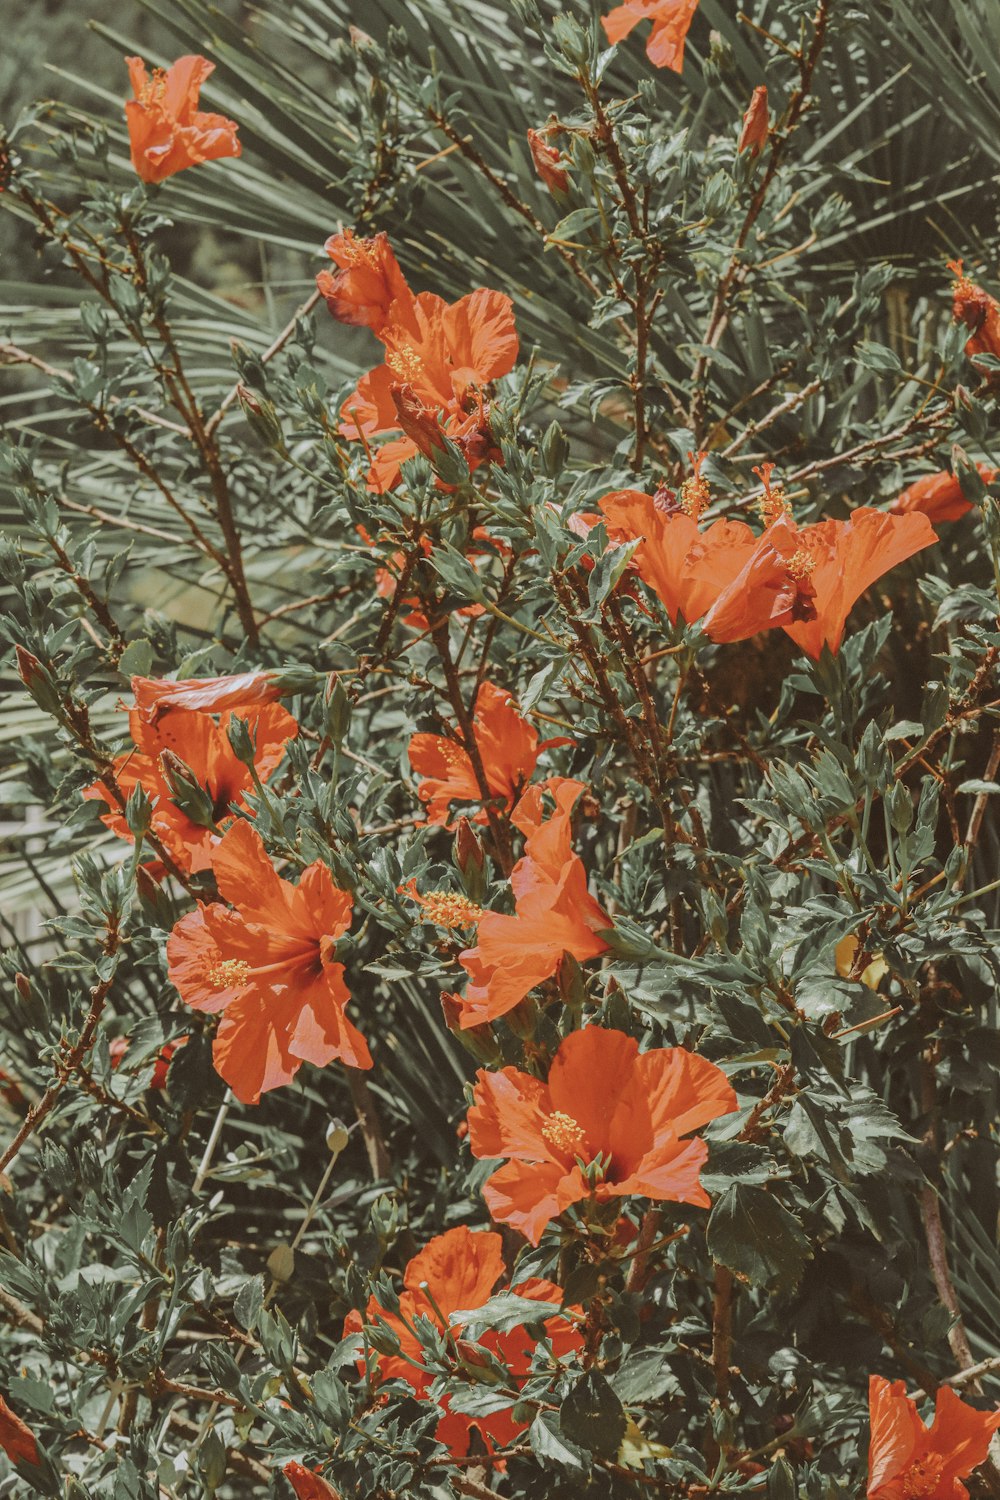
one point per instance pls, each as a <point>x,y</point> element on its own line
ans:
<point>207,695</point>
<point>555,913</point>
<point>548,162</point>
<point>807,579</point>
<point>438,358</point>
<point>367,282</point>
<point>671,22</point>
<point>269,966</point>
<point>177,743</point>
<point>756,122</point>
<point>307,1484</point>
<point>685,567</point>
<point>166,129</point>
<point>622,1114</point>
<point>979,312</point>
<point>16,1438</point>
<point>908,1461</point>
<point>508,747</point>
<point>457,1272</point>
<point>939,496</point>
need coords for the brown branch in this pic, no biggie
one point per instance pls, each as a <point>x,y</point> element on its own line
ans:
<point>72,1059</point>
<point>735,270</point>
<point>468,151</point>
<point>722,1329</point>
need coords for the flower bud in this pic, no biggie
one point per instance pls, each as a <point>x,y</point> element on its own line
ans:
<point>38,680</point>
<point>338,712</point>
<point>241,740</point>
<point>262,415</point>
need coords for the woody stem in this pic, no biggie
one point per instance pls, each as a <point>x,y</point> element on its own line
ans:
<point>498,827</point>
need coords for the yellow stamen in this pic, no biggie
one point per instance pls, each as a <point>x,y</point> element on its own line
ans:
<point>694,494</point>
<point>228,973</point>
<point>565,1134</point>
<point>921,1478</point>
<point>154,88</point>
<point>800,565</point>
<point>448,909</point>
<point>404,363</point>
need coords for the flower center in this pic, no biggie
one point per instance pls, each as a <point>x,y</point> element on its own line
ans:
<point>449,909</point>
<point>773,504</point>
<point>404,363</point>
<point>360,253</point>
<point>694,494</point>
<point>800,565</point>
<point>921,1479</point>
<point>154,88</point>
<point>564,1134</point>
<point>228,973</point>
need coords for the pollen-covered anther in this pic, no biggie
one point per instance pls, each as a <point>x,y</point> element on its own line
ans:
<point>228,973</point>
<point>800,565</point>
<point>449,909</point>
<point>773,506</point>
<point>693,496</point>
<point>920,1480</point>
<point>565,1134</point>
<point>154,88</point>
<point>360,253</point>
<point>404,363</point>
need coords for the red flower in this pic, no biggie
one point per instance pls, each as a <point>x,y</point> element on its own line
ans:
<point>456,1272</point>
<point>16,1438</point>
<point>806,579</point>
<point>621,1113</point>
<point>307,1484</point>
<point>671,22</point>
<point>685,567</point>
<point>207,695</point>
<point>367,282</point>
<point>554,913</point>
<point>269,967</point>
<point>167,742</point>
<point>167,131</point>
<point>508,747</point>
<point>753,136</point>
<point>119,1045</point>
<point>979,312</point>
<point>438,358</point>
<point>908,1461</point>
<point>939,496</point>
<point>548,162</point>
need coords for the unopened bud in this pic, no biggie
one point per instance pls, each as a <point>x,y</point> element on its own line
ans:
<point>251,371</point>
<point>336,1137</point>
<point>478,1041</point>
<point>470,857</point>
<point>338,712</point>
<point>139,811</point>
<point>281,1263</point>
<point>189,795</point>
<point>23,985</point>
<point>241,740</point>
<point>38,680</point>
<point>262,415</point>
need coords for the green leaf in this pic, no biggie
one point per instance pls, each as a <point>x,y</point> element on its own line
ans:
<point>593,1416</point>
<point>753,1234</point>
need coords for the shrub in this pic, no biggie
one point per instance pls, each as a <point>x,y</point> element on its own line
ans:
<point>501,917</point>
